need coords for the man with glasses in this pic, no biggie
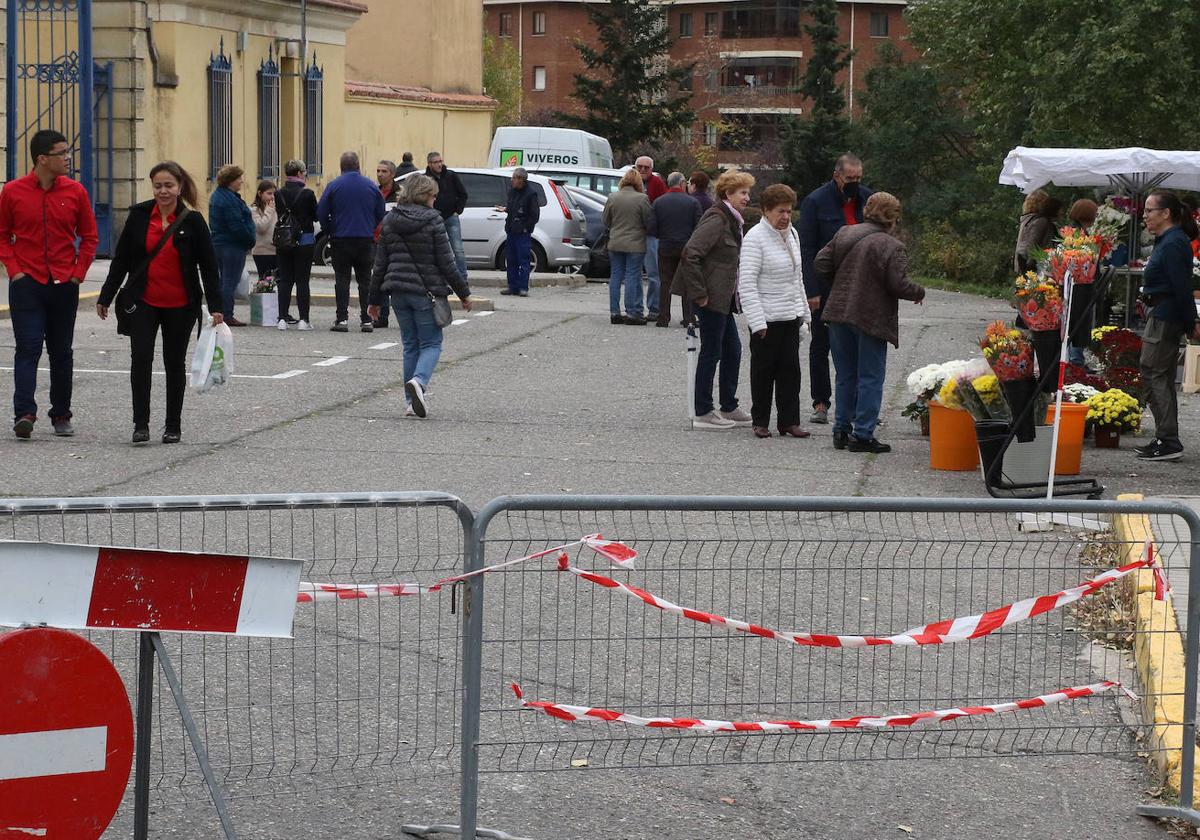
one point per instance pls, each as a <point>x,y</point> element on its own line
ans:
<point>824,212</point>
<point>450,202</point>
<point>47,243</point>
<point>654,186</point>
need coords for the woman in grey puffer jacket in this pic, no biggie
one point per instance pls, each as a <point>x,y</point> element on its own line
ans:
<point>414,264</point>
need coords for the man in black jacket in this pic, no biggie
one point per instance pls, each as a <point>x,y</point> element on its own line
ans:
<point>450,202</point>
<point>677,214</point>
<point>522,213</point>
<point>824,212</point>
<point>406,165</point>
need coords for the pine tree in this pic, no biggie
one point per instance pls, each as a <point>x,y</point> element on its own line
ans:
<point>630,94</point>
<point>812,143</point>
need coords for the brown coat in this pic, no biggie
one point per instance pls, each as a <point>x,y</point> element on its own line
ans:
<point>869,268</point>
<point>1035,232</point>
<point>709,265</point>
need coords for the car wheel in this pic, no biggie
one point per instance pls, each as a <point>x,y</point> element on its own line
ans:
<point>540,263</point>
<point>323,252</point>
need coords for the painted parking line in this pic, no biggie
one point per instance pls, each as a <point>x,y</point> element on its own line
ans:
<point>330,362</point>
<point>487,313</point>
<point>287,374</point>
<point>458,321</point>
<point>384,345</point>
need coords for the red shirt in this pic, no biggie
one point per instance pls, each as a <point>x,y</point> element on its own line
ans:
<point>38,229</point>
<point>849,211</point>
<point>655,186</point>
<point>164,277</point>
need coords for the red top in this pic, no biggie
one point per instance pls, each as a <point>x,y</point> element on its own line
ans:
<point>655,186</point>
<point>164,277</point>
<point>848,210</point>
<point>38,229</point>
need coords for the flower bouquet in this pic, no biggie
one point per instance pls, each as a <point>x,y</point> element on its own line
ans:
<point>1010,354</point>
<point>924,385</point>
<point>1113,411</point>
<point>264,285</point>
<point>1039,300</point>
<point>1078,253</point>
<point>1110,223</point>
<point>1119,351</point>
<point>1079,393</point>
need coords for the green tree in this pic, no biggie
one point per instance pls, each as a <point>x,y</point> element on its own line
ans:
<point>812,143</point>
<point>630,93</point>
<point>502,79</point>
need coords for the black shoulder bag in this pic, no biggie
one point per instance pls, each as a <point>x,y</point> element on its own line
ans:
<point>125,309</point>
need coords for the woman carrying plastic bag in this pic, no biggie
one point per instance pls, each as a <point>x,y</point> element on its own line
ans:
<point>212,362</point>
<point>155,283</point>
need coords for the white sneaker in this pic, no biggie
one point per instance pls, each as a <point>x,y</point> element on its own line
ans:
<point>282,325</point>
<point>738,417</point>
<point>408,412</point>
<point>304,326</point>
<point>712,422</point>
<point>416,397</point>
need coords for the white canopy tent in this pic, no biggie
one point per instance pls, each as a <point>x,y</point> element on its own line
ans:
<point>1131,170</point>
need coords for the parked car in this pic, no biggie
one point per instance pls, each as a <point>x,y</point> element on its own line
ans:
<point>321,248</point>
<point>592,204</point>
<point>558,240</point>
<point>603,181</point>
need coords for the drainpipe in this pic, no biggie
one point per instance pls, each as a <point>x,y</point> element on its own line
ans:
<point>521,54</point>
<point>850,87</point>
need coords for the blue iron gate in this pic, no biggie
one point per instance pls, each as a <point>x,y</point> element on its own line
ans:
<point>53,82</point>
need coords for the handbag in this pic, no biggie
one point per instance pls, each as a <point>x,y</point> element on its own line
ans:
<point>442,316</point>
<point>285,237</point>
<point>125,309</point>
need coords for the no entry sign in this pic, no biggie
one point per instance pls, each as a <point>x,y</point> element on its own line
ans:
<point>66,737</point>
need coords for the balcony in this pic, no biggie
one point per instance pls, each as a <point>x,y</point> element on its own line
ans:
<point>758,91</point>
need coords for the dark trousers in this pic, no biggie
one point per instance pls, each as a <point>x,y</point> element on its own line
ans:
<point>819,384</point>
<point>775,369</point>
<point>176,325</point>
<point>295,270</point>
<point>719,344</point>
<point>42,314</point>
<point>266,264</point>
<point>1160,357</point>
<point>517,252</point>
<point>668,264</point>
<point>357,255</point>
<point>231,261</point>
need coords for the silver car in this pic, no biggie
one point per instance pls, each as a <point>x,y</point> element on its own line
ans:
<point>558,239</point>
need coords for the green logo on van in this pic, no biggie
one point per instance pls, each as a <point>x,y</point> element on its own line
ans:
<point>512,157</point>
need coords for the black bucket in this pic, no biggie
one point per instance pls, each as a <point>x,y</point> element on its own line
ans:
<point>1020,394</point>
<point>1047,347</point>
<point>1079,326</point>
<point>991,435</point>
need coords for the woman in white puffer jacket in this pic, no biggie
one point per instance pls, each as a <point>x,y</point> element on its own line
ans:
<point>771,288</point>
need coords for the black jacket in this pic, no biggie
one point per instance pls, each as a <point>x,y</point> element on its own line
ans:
<point>197,259</point>
<point>414,256</point>
<point>301,201</point>
<point>821,217</point>
<point>452,195</point>
<point>677,214</point>
<point>523,209</point>
<point>405,168</point>
<point>1167,279</point>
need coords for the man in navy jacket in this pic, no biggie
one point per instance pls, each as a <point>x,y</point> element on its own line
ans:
<point>822,214</point>
<point>350,209</point>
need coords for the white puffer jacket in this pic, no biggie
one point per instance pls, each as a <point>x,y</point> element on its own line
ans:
<point>770,280</point>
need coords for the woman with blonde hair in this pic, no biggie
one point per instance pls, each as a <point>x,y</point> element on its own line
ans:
<point>707,275</point>
<point>629,220</point>
<point>869,267</point>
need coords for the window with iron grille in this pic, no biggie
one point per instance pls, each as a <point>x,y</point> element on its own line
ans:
<point>314,119</point>
<point>268,118</point>
<point>220,111</point>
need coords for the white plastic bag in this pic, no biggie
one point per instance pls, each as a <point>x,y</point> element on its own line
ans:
<point>243,287</point>
<point>212,363</point>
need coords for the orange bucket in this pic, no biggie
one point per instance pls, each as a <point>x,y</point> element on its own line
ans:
<point>1070,437</point>
<point>952,444</point>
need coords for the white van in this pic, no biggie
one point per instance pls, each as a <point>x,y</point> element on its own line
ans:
<point>536,147</point>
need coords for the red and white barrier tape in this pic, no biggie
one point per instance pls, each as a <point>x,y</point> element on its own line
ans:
<point>939,632</point>
<point>613,551</point>
<point>1162,584</point>
<point>584,714</point>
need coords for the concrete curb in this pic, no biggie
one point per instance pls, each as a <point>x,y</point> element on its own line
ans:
<point>1158,654</point>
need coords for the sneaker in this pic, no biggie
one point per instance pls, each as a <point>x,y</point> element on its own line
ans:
<point>1161,451</point>
<point>291,320</point>
<point>738,417</point>
<point>303,326</point>
<point>63,427</point>
<point>281,324</point>
<point>367,326</point>
<point>340,326</point>
<point>635,320</point>
<point>416,397</point>
<point>523,293</point>
<point>616,319</point>
<point>408,410</point>
<point>820,414</point>
<point>712,422</point>
<point>141,434</point>
<point>871,445</point>
<point>23,426</point>
<point>841,439</point>
<point>1147,447</point>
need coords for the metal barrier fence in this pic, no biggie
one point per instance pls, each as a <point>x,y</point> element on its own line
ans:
<point>838,566</point>
<point>367,692</point>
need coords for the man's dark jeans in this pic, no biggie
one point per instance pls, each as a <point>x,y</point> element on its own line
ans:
<point>819,384</point>
<point>355,255</point>
<point>42,314</point>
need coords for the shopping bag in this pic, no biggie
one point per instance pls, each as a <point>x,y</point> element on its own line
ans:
<point>212,362</point>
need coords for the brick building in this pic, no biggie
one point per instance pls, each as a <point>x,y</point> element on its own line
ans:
<point>749,57</point>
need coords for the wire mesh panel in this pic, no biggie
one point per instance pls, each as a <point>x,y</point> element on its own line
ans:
<point>848,566</point>
<point>366,693</point>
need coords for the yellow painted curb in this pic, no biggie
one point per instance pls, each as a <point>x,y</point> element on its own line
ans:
<point>84,297</point>
<point>1158,654</point>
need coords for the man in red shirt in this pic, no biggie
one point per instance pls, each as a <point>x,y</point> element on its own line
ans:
<point>42,217</point>
<point>655,186</point>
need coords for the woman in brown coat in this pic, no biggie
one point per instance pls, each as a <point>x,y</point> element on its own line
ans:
<point>707,276</point>
<point>869,267</point>
<point>1037,229</point>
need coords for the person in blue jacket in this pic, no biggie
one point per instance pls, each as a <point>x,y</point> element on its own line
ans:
<point>1167,282</point>
<point>523,211</point>
<point>233,235</point>
<point>824,212</point>
<point>350,209</point>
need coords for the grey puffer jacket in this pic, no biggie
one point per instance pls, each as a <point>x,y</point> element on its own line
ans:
<point>414,256</point>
